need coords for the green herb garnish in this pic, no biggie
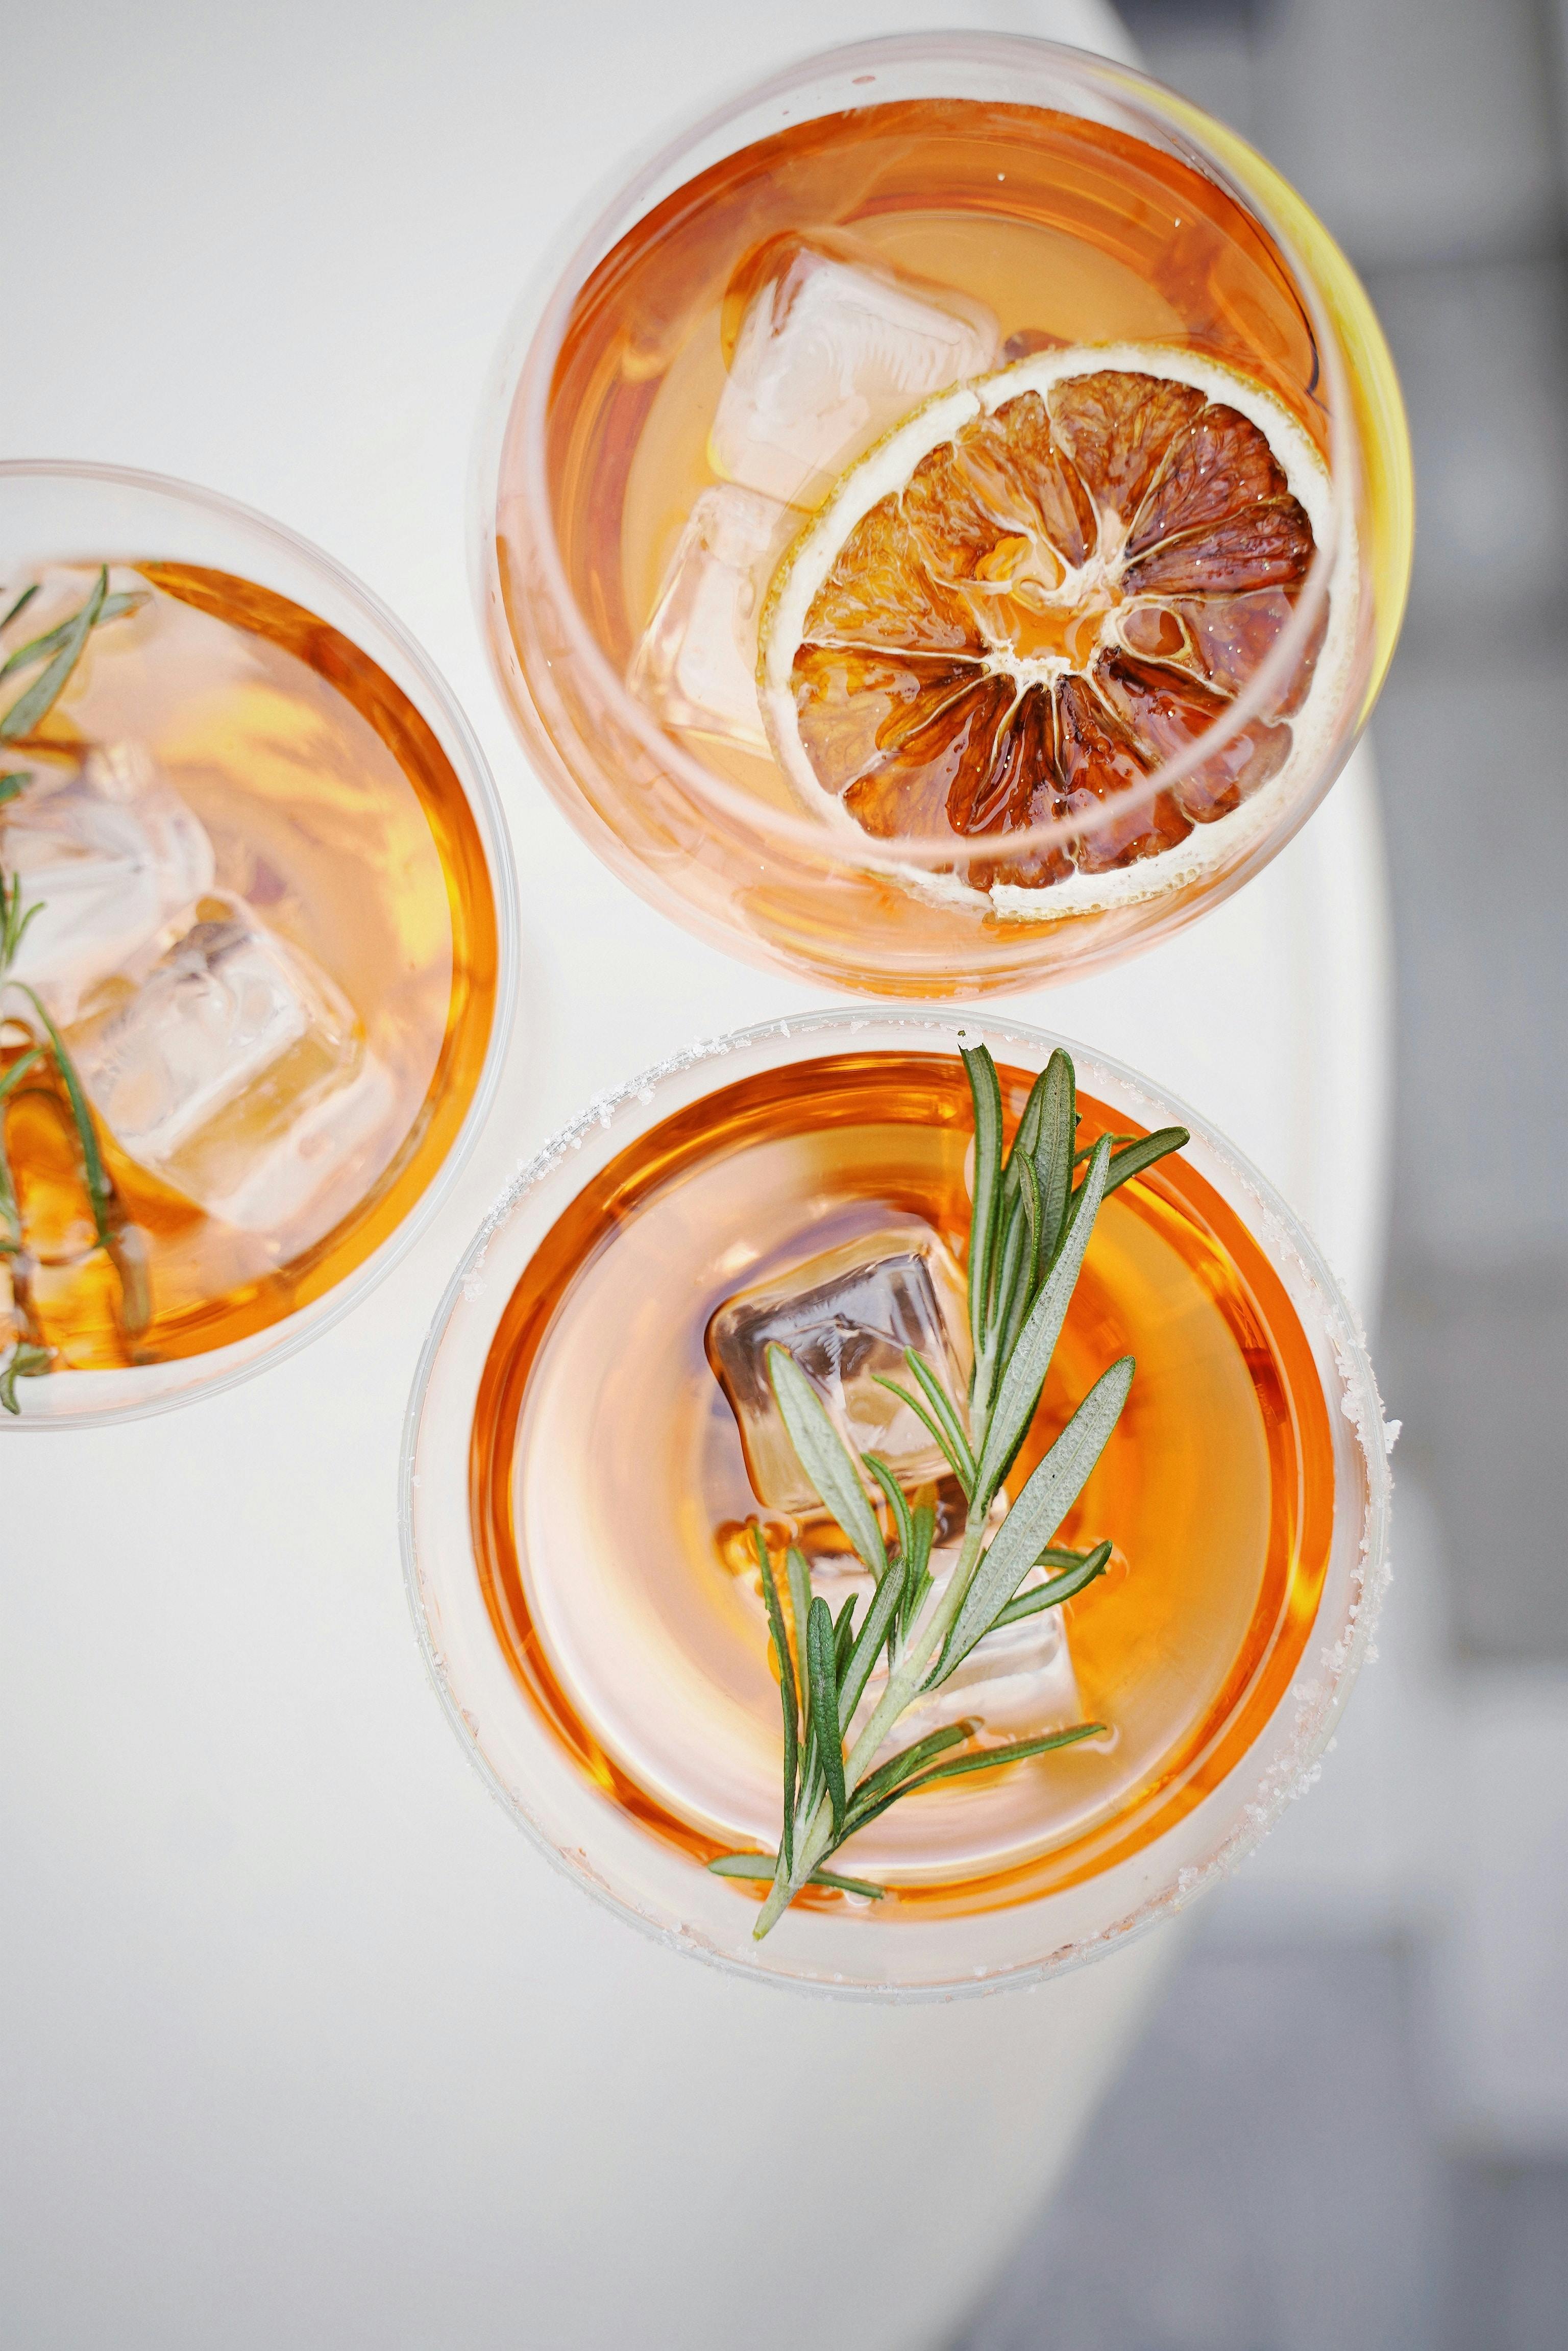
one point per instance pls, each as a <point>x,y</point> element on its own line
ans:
<point>64,638</point>
<point>59,649</point>
<point>1029,1231</point>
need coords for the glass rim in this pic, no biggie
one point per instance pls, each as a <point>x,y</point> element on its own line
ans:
<point>1278,1231</point>
<point>472,771</point>
<point>524,368</point>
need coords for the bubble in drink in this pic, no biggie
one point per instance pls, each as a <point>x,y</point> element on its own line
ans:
<point>111,855</point>
<point>237,1072</point>
<point>833,346</point>
<point>696,664</point>
<point>846,1317</point>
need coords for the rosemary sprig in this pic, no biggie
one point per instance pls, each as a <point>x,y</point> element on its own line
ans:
<point>34,703</point>
<point>20,606</point>
<point>1029,1228</point>
<point>14,920</point>
<point>24,1362</point>
<point>59,649</point>
<point>63,638</point>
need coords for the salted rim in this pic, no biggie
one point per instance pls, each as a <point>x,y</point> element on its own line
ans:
<point>1305,1718</point>
<point>889,465</point>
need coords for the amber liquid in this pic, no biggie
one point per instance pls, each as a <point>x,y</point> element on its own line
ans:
<point>609,1492</point>
<point>334,811</point>
<point>1066,228</point>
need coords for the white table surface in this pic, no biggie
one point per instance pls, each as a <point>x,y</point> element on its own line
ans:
<point>299,2040</point>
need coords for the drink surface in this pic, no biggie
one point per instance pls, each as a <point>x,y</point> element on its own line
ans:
<point>756,332</point>
<point>268,940</point>
<point>1065,228</point>
<point>612,1500</point>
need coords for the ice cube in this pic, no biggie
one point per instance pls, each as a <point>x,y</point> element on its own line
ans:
<point>110,854</point>
<point>696,664</point>
<point>833,348</point>
<point>237,1071</point>
<point>845,1316</point>
<point>1018,1683</point>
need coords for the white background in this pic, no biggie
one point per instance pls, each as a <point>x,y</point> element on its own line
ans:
<point>299,2040</point>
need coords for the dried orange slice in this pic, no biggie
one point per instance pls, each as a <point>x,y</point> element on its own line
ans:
<point>1034,592</point>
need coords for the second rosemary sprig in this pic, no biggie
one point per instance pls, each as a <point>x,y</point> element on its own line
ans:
<point>1029,1228</point>
<point>58,649</point>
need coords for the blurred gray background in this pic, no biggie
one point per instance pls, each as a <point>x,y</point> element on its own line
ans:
<point>1348,2126</point>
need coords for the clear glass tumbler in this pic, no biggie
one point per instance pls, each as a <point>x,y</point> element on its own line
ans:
<point>291,889</point>
<point>577,1531</point>
<point>639,583</point>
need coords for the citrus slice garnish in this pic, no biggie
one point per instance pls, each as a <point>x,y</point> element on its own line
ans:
<point>1037,591</point>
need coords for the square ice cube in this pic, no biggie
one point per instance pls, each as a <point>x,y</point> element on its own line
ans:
<point>696,664</point>
<point>845,1317</point>
<point>834,347</point>
<point>1017,1684</point>
<point>237,1071</point>
<point>110,854</point>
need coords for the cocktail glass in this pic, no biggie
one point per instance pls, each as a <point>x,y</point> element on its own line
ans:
<point>577,1521</point>
<point>623,562</point>
<point>333,786</point>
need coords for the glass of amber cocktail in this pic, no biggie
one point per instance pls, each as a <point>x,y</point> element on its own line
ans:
<point>592,1457</point>
<point>949,519</point>
<point>256,944</point>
